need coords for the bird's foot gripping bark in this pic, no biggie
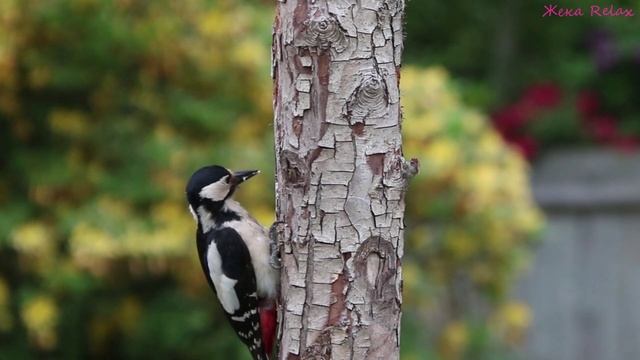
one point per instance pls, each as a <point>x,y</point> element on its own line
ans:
<point>275,233</point>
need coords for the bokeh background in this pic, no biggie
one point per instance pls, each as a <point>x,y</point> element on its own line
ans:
<point>107,106</point>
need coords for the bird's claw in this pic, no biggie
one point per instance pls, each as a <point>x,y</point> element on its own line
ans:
<point>274,234</point>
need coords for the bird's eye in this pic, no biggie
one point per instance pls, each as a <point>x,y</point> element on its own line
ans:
<point>227,179</point>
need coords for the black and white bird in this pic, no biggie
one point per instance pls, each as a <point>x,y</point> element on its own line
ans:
<point>236,256</point>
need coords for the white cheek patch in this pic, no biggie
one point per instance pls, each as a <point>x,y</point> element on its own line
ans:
<point>216,191</point>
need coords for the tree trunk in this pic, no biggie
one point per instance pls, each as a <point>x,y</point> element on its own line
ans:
<point>341,177</point>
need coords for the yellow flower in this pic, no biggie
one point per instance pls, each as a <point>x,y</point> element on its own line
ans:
<point>33,238</point>
<point>489,145</point>
<point>69,122</point>
<point>263,214</point>
<point>215,23</point>
<point>114,207</point>
<point>461,244</point>
<point>499,237</point>
<point>528,220</point>
<point>516,315</point>
<point>436,78</point>
<point>245,128</point>
<point>249,53</point>
<point>454,340</point>
<point>40,317</point>
<point>422,126</point>
<point>411,275</point>
<point>441,156</point>
<point>426,91</point>
<point>225,24</point>
<point>88,242</point>
<point>419,239</point>
<point>481,181</point>
<point>512,321</point>
<point>171,236</point>
<point>474,122</point>
<point>167,211</point>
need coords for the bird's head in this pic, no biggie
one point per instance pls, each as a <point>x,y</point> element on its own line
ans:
<point>212,185</point>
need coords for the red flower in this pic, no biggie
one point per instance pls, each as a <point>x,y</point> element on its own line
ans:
<point>526,145</point>
<point>511,119</point>
<point>587,103</point>
<point>626,143</point>
<point>546,95</point>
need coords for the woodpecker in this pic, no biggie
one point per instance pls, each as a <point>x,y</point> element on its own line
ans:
<point>237,256</point>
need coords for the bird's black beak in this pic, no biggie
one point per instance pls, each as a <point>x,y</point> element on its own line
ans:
<point>240,176</point>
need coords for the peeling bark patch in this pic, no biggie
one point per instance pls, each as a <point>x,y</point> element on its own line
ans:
<point>357,128</point>
<point>300,14</point>
<point>294,168</point>
<point>321,349</point>
<point>337,308</point>
<point>297,127</point>
<point>323,129</point>
<point>376,163</point>
<point>313,155</point>
<point>290,211</point>
<point>324,61</point>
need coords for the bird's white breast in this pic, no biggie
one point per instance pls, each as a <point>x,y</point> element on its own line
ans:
<point>258,243</point>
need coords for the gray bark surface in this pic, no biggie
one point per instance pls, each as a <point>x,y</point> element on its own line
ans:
<point>341,177</point>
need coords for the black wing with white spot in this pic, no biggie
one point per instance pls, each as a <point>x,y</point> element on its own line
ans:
<point>228,268</point>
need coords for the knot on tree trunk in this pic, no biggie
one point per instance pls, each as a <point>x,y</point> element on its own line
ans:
<point>376,263</point>
<point>323,31</point>
<point>369,100</point>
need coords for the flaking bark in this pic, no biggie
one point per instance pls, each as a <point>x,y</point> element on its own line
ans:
<point>341,177</point>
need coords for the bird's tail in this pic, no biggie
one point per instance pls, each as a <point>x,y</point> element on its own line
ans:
<point>268,324</point>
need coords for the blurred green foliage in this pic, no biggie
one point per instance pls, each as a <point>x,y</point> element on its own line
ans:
<point>501,47</point>
<point>506,50</point>
<point>107,106</point>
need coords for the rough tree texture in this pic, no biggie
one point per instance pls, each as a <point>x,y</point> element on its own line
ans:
<point>341,177</point>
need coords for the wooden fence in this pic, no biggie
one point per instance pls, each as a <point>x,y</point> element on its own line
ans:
<point>584,284</point>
